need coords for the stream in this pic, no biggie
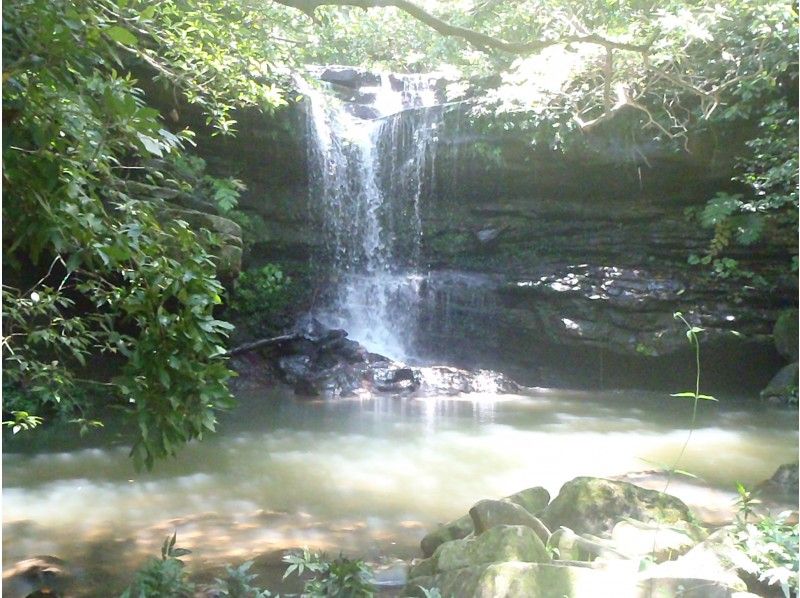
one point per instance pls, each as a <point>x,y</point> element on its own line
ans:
<point>367,477</point>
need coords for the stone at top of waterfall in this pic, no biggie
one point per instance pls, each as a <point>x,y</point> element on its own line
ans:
<point>348,76</point>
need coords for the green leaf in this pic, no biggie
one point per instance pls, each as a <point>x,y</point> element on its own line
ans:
<point>148,13</point>
<point>121,35</point>
<point>150,144</point>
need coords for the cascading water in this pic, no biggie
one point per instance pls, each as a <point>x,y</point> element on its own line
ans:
<point>370,166</point>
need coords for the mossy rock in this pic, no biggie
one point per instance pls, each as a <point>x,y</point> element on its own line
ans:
<point>785,334</point>
<point>589,505</point>
<point>499,544</point>
<point>526,580</point>
<point>533,500</point>
<point>486,514</point>
<point>783,388</point>
<point>455,530</point>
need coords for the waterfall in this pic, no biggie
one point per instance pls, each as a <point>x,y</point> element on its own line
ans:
<point>371,164</point>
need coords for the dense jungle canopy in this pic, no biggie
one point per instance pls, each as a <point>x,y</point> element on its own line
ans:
<point>94,264</point>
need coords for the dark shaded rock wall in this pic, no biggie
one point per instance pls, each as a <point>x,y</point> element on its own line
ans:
<point>588,263</point>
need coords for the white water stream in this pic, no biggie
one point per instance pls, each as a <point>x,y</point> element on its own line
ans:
<point>368,177</point>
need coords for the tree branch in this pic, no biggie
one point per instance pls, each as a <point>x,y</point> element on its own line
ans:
<point>476,38</point>
<point>264,342</point>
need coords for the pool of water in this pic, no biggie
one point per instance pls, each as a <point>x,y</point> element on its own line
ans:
<point>365,476</point>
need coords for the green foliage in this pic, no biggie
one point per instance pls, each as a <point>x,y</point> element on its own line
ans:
<point>163,577</point>
<point>431,592</point>
<point>115,281</point>
<point>745,504</point>
<point>22,421</point>
<point>237,583</point>
<point>769,548</point>
<point>338,578</point>
<point>261,290</point>
<point>222,193</point>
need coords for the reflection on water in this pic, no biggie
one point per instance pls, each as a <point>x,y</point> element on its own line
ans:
<point>363,476</point>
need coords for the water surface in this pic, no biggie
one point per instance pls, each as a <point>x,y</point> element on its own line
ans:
<point>366,477</point>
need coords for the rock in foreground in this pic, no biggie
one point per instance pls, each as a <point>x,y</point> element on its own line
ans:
<point>618,526</point>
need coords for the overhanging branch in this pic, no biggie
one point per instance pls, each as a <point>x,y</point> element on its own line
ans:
<point>476,38</point>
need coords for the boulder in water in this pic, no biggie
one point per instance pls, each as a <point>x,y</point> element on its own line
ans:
<point>783,484</point>
<point>37,576</point>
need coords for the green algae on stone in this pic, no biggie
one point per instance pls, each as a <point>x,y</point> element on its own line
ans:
<point>526,580</point>
<point>595,505</point>
<point>500,543</point>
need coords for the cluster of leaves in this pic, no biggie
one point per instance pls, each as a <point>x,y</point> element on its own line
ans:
<point>338,578</point>
<point>238,583</point>
<point>769,173</point>
<point>261,290</point>
<point>167,576</point>
<point>769,548</point>
<point>223,193</point>
<point>162,577</point>
<point>92,266</point>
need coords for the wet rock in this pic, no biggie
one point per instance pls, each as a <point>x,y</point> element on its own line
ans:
<point>783,387</point>
<point>498,544</point>
<point>450,380</point>
<point>349,77</point>
<point>786,335</point>
<point>395,379</point>
<point>595,505</point>
<point>783,485</point>
<point>37,576</point>
<point>361,111</point>
<point>312,329</point>
<point>317,360</point>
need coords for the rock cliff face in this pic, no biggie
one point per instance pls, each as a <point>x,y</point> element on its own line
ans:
<point>595,282</point>
<point>552,268</point>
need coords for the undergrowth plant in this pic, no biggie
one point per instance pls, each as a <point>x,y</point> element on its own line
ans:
<point>695,395</point>
<point>165,577</point>
<point>238,583</point>
<point>338,578</point>
<point>767,546</point>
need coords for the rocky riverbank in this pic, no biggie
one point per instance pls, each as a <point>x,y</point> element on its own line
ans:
<point>598,537</point>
